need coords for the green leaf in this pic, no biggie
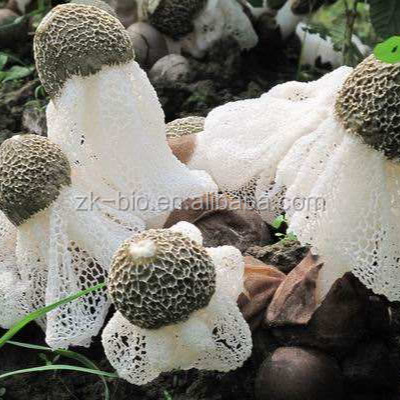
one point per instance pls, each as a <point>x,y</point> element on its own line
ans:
<point>57,367</point>
<point>43,311</point>
<point>167,396</point>
<point>385,17</point>
<point>278,221</point>
<point>17,72</point>
<point>389,50</point>
<point>3,60</point>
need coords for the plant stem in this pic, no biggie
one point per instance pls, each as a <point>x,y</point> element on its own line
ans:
<point>351,16</point>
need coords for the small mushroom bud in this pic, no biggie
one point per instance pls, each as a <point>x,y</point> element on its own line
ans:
<point>13,32</point>
<point>5,14</point>
<point>127,11</point>
<point>293,373</point>
<point>172,68</point>
<point>148,43</point>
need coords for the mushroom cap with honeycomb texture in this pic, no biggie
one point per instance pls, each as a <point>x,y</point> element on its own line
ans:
<point>159,277</point>
<point>77,39</point>
<point>174,18</point>
<point>368,105</point>
<point>33,171</point>
<point>96,3</point>
<point>185,126</point>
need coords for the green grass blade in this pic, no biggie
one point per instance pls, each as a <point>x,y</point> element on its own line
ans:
<point>68,354</point>
<point>43,311</point>
<point>65,353</point>
<point>57,367</point>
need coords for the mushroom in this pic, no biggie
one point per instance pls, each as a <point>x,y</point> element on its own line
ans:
<point>126,10</point>
<point>106,117</point>
<point>172,68</point>
<point>331,149</point>
<point>149,44</point>
<point>194,25</point>
<point>62,245</point>
<point>176,303</point>
<point>295,373</point>
<point>352,164</point>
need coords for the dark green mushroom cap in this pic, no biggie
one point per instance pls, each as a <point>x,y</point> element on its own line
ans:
<point>160,277</point>
<point>174,18</point>
<point>77,39</point>
<point>368,105</point>
<point>32,172</point>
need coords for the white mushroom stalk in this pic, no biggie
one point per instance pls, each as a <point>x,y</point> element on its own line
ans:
<point>194,25</point>
<point>106,117</point>
<point>176,303</point>
<point>61,248</point>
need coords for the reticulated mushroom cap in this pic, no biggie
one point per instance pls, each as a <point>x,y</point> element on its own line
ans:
<point>160,277</point>
<point>185,126</point>
<point>174,18</point>
<point>76,39</point>
<point>96,3</point>
<point>182,136</point>
<point>32,172</point>
<point>368,105</point>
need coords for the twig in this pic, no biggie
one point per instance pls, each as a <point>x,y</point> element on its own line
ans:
<point>351,17</point>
